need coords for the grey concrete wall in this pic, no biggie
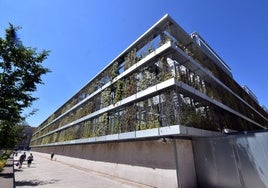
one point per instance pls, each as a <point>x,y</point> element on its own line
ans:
<point>186,166</point>
<point>151,162</point>
<point>232,161</point>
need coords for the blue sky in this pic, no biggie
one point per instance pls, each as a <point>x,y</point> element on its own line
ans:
<point>85,35</point>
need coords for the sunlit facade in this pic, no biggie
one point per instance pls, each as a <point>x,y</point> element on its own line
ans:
<point>165,78</point>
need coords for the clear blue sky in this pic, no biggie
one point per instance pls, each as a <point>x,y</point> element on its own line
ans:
<point>85,35</point>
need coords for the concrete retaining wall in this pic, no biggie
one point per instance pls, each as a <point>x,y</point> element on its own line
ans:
<point>156,162</point>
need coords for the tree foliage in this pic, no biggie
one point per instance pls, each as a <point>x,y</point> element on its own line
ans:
<point>20,73</point>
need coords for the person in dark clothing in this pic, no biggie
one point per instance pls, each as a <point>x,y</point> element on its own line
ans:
<point>52,155</point>
<point>29,160</point>
<point>21,160</point>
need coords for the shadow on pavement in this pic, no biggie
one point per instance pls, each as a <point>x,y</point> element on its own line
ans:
<point>7,175</point>
<point>35,182</point>
<point>21,169</point>
<point>8,165</point>
<point>18,170</point>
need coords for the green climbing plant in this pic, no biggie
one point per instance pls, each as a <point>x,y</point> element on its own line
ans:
<point>119,91</point>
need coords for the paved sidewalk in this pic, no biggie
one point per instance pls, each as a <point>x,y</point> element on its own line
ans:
<point>7,175</point>
<point>61,174</point>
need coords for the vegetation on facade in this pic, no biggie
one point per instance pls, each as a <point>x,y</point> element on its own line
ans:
<point>167,107</point>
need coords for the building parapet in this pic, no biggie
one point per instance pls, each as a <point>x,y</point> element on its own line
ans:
<point>161,132</point>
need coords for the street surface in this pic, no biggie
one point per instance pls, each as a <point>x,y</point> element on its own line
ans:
<point>46,173</point>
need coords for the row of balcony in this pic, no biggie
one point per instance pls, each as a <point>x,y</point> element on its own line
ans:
<point>141,70</point>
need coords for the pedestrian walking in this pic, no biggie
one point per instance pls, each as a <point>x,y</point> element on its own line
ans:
<point>22,159</point>
<point>30,160</point>
<point>52,155</point>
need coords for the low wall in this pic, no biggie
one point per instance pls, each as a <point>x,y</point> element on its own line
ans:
<point>158,163</point>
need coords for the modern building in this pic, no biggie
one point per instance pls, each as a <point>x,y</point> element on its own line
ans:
<point>166,84</point>
<point>26,135</point>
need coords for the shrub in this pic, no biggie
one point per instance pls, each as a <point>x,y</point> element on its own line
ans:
<point>3,159</point>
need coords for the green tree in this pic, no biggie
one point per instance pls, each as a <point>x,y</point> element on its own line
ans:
<point>20,72</point>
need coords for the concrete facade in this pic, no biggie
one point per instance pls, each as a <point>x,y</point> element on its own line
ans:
<point>157,162</point>
<point>165,78</point>
<point>136,119</point>
<point>236,160</point>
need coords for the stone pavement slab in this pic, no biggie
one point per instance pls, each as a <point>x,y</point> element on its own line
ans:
<point>46,173</point>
